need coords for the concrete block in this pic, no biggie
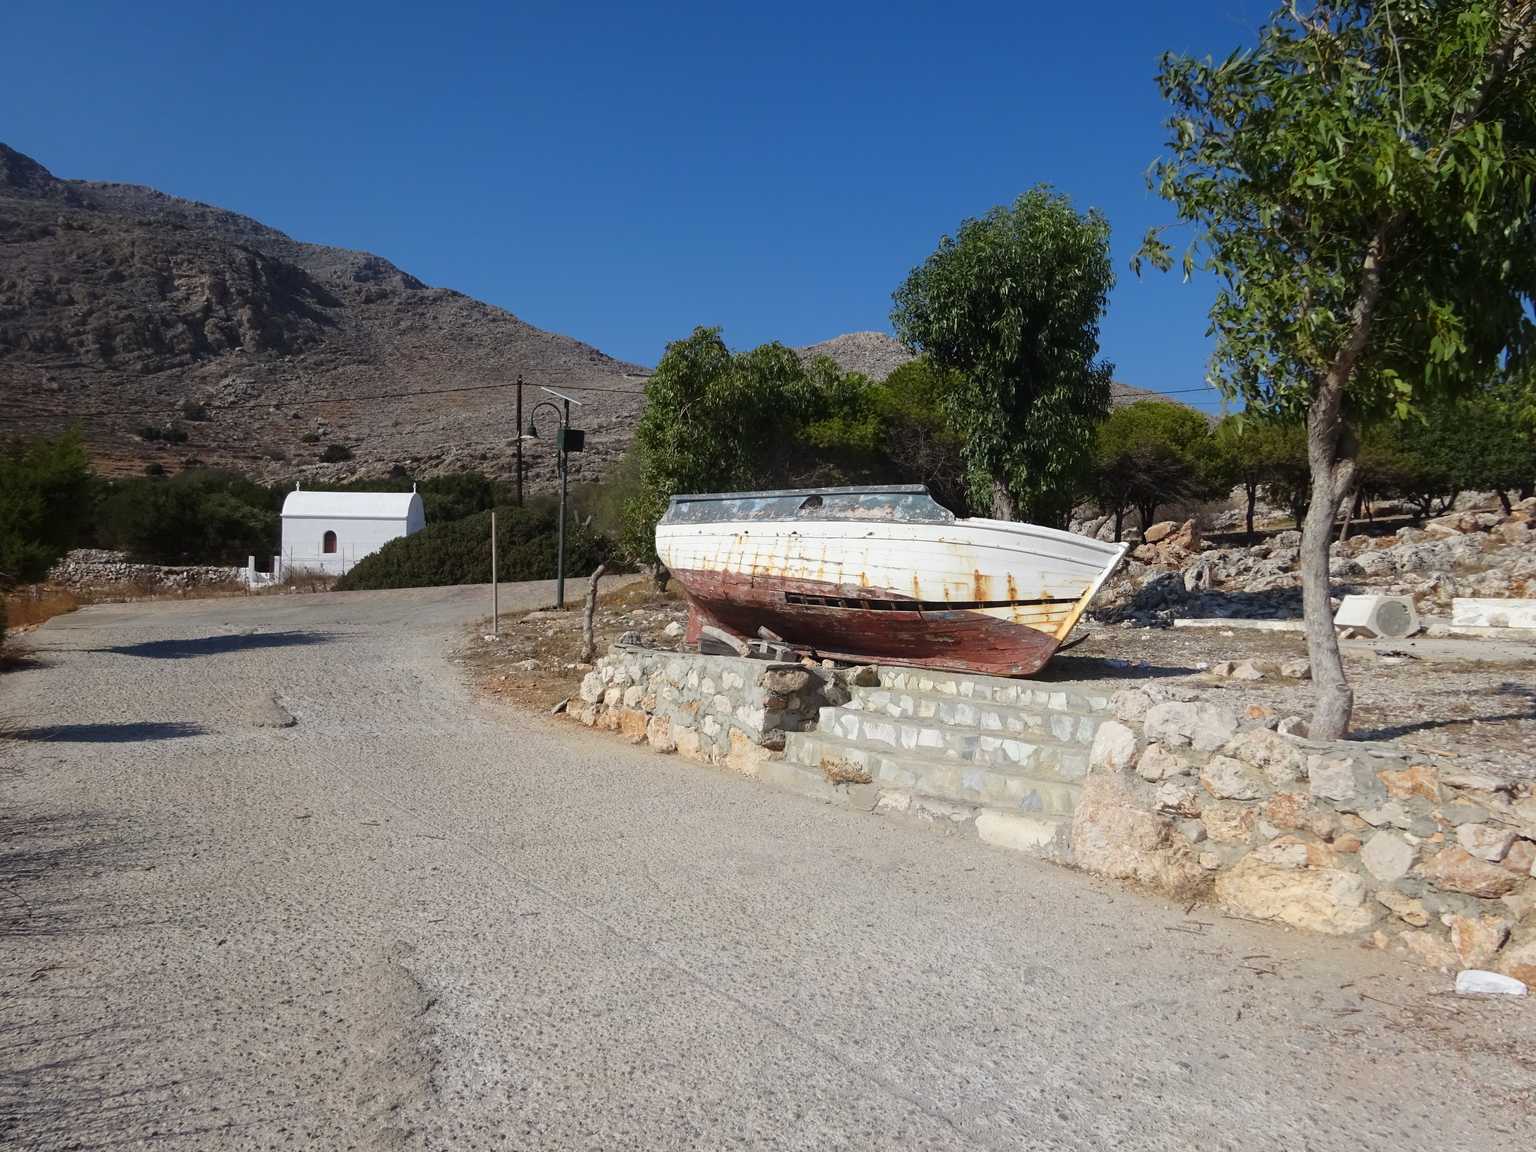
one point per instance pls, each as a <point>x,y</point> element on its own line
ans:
<point>1493,612</point>
<point>1389,617</point>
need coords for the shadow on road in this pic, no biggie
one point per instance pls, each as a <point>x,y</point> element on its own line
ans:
<point>129,732</point>
<point>216,645</point>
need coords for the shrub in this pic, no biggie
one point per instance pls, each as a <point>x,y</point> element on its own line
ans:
<point>310,437</point>
<point>194,517</point>
<point>45,501</point>
<point>335,454</point>
<point>174,435</point>
<point>192,410</point>
<point>459,551</point>
<point>154,469</point>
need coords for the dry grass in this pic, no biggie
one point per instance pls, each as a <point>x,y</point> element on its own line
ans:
<point>31,606</point>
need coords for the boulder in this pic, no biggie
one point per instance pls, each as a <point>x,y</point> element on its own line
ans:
<point>1159,762</point>
<point>1457,870</point>
<point>1347,781</point>
<point>1229,779</point>
<point>1229,823</point>
<point>1114,836</point>
<point>1114,747</point>
<point>1205,727</point>
<point>1486,841</point>
<point>1415,780</point>
<point>1403,906</point>
<point>1519,960</point>
<point>1280,759</point>
<point>1160,531</point>
<point>1477,940</point>
<point>1329,900</point>
<point>1387,856</point>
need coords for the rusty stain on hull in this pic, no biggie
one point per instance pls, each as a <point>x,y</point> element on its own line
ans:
<point>963,640</point>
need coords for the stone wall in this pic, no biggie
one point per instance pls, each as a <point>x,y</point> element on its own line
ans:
<point>1346,838</point>
<point>718,709</point>
<point>98,568</point>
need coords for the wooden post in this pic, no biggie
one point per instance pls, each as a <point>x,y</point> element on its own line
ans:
<point>588,644</point>
<point>495,590</point>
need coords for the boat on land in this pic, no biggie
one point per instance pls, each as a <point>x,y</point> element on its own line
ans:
<point>881,574</point>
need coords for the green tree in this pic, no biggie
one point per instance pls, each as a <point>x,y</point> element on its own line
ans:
<point>1361,184</point>
<point>1258,455</point>
<point>45,501</point>
<point>714,421</point>
<point>1011,306</point>
<point>1147,454</point>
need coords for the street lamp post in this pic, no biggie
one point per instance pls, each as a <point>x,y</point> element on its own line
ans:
<point>568,440</point>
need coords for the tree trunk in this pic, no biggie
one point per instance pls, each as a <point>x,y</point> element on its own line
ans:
<point>1119,523</point>
<point>1146,512</point>
<point>1330,457</point>
<point>1253,498</point>
<point>588,644</point>
<point>1002,501</point>
<point>660,576</point>
<point>1504,502</point>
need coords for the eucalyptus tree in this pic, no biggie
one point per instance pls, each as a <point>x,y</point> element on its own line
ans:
<point>1010,307</point>
<point>1361,184</point>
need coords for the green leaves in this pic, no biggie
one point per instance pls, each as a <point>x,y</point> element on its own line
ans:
<point>1346,121</point>
<point>1011,307</point>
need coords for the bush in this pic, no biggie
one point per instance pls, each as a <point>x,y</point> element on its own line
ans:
<point>335,454</point>
<point>192,410</point>
<point>310,437</point>
<point>45,501</point>
<point>194,517</point>
<point>459,551</point>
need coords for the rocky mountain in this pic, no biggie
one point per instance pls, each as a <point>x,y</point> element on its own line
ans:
<point>874,354</point>
<point>878,354</point>
<point>131,311</point>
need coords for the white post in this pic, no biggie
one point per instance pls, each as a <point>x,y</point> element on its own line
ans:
<point>495,591</point>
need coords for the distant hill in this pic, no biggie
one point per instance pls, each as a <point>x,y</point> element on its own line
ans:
<point>877,355</point>
<point>119,298</point>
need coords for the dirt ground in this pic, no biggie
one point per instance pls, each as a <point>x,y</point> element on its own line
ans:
<point>1461,698</point>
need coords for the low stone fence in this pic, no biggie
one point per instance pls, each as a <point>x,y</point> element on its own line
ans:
<point>718,709</point>
<point>97,568</point>
<point>1347,838</point>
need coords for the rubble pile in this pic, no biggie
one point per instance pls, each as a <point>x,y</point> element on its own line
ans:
<point>1173,572</point>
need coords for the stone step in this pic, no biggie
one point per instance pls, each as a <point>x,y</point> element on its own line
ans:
<point>1043,754</point>
<point>1031,721</point>
<point>1005,787</point>
<point>1057,696</point>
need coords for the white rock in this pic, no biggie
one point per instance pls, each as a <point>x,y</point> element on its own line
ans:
<point>1229,779</point>
<point>1114,747</point>
<point>1387,856</point>
<point>1485,841</point>
<point>673,630</point>
<point>1204,726</point>
<point>1476,982</point>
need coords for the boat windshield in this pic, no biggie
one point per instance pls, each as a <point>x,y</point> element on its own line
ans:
<point>903,503</point>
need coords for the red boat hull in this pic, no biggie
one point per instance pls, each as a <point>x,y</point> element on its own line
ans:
<point>897,630</point>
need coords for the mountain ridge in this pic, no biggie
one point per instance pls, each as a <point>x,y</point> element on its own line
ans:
<point>121,298</point>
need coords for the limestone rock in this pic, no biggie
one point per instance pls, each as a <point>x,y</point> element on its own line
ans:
<point>1387,856</point>
<point>1228,823</point>
<point>1457,870</point>
<point>658,733</point>
<point>1429,948</point>
<point>1297,669</point>
<point>1159,762</point>
<point>1229,779</point>
<point>1486,841</point>
<point>632,723</point>
<point>1403,906</point>
<point>1253,670</point>
<point>1203,726</point>
<point>1519,960</point>
<point>785,681</point>
<point>266,712</point>
<point>1415,780</point>
<point>1114,747</point>
<point>1521,858</point>
<point>1282,761</point>
<point>1477,940</point>
<point>1114,836</point>
<point>1346,780</point>
<point>1131,704</point>
<point>1160,531</point>
<point>1327,900</point>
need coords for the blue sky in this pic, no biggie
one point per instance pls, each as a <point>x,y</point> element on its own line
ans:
<point>622,173</point>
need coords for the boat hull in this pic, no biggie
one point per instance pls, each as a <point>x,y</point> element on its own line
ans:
<point>972,595</point>
<point>962,640</point>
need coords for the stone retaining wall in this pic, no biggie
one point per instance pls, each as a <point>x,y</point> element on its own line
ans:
<point>717,709</point>
<point>1346,838</point>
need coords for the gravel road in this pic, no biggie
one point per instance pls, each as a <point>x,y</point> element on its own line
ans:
<point>415,920</point>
